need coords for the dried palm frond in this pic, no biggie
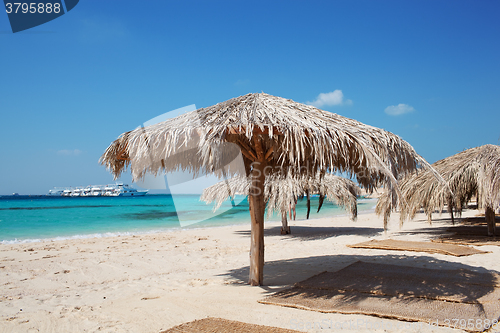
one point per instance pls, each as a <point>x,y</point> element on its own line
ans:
<point>299,139</point>
<point>473,172</point>
<point>280,193</point>
<point>272,134</point>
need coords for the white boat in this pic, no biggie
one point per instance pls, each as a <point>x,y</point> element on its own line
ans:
<point>111,190</point>
<point>56,191</point>
<point>124,190</point>
<point>86,192</point>
<point>96,191</point>
<point>76,192</point>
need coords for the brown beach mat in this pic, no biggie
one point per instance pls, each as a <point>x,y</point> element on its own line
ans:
<point>429,247</point>
<point>401,292</point>
<point>215,325</point>
<point>472,233</point>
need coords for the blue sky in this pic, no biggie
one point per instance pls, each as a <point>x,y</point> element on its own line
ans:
<point>425,70</point>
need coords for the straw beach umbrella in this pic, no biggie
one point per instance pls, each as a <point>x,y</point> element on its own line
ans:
<point>473,172</point>
<point>342,191</point>
<point>282,193</point>
<point>274,135</point>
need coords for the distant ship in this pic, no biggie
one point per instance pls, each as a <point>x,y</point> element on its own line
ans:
<point>113,190</point>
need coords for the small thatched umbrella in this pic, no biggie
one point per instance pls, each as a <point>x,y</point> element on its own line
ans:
<point>282,193</point>
<point>274,135</point>
<point>475,171</point>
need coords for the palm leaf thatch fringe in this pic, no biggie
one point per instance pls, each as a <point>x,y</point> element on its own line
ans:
<point>279,193</point>
<point>298,138</point>
<point>473,172</point>
<point>273,134</point>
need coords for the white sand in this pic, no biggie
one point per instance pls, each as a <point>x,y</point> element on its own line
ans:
<point>153,282</point>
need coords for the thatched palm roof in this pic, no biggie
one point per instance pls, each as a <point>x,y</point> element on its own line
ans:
<point>274,135</point>
<point>280,193</point>
<point>293,134</point>
<point>475,171</point>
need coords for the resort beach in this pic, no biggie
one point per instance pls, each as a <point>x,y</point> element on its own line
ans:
<point>300,167</point>
<point>152,282</point>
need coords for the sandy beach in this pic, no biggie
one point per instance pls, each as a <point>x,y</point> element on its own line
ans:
<point>145,145</point>
<point>149,283</point>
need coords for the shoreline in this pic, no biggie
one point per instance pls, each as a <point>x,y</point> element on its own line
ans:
<point>339,213</point>
<point>149,283</point>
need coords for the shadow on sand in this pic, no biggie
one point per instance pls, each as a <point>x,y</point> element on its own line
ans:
<point>313,233</point>
<point>281,274</point>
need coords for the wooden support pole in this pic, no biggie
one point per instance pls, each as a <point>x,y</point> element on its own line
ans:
<point>308,204</point>
<point>450,210</point>
<point>285,229</point>
<point>490,220</point>
<point>257,210</point>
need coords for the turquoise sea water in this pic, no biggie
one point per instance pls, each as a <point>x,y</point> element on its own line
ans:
<point>32,218</point>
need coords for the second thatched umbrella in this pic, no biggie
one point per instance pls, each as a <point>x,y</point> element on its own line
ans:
<point>473,172</point>
<point>274,135</point>
<point>280,194</point>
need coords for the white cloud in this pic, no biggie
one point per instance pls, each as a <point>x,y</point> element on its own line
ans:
<point>69,152</point>
<point>335,97</point>
<point>396,110</point>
